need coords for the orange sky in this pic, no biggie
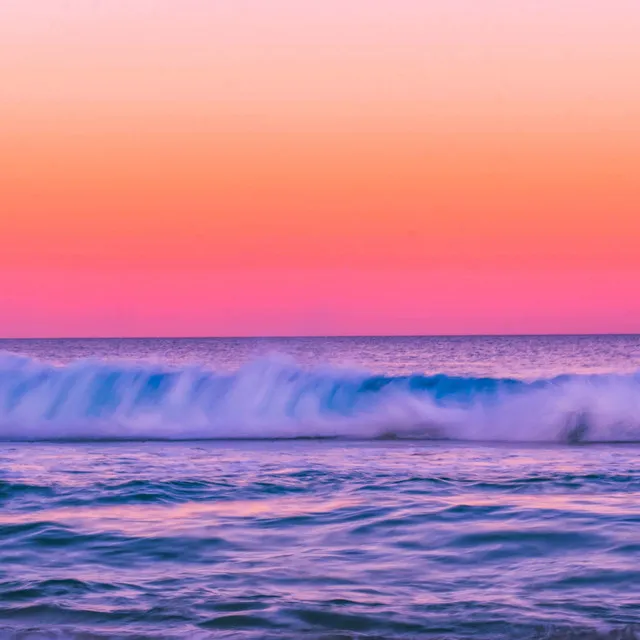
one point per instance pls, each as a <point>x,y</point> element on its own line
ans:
<point>289,167</point>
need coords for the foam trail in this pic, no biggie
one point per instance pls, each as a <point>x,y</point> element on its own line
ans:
<point>275,398</point>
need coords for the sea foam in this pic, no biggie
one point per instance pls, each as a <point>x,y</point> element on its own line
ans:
<point>277,398</point>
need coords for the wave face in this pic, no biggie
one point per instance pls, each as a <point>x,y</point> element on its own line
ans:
<point>275,398</point>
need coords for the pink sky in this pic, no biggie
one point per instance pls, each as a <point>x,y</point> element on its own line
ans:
<point>286,167</point>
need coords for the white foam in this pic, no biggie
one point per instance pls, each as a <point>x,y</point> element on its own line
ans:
<point>275,398</point>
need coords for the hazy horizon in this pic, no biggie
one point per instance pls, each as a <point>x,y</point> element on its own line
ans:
<point>319,336</point>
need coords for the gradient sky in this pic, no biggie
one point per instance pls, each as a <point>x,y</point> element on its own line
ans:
<point>282,167</point>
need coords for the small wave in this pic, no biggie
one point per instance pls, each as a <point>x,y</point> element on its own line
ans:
<point>276,398</point>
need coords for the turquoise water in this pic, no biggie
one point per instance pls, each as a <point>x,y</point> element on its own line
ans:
<point>445,488</point>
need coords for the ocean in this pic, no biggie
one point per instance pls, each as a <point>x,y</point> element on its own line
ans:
<point>414,487</point>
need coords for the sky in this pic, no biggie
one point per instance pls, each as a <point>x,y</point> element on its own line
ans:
<point>293,167</point>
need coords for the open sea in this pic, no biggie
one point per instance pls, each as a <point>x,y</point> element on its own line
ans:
<point>464,487</point>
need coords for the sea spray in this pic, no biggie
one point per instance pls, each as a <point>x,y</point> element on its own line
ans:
<point>277,398</point>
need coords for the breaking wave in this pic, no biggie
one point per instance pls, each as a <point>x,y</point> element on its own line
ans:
<point>276,398</point>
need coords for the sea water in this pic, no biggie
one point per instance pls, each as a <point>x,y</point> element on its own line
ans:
<point>322,487</point>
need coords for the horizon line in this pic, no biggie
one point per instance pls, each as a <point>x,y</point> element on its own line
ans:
<point>325,336</point>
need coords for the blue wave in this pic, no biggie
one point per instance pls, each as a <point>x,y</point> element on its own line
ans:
<point>275,398</point>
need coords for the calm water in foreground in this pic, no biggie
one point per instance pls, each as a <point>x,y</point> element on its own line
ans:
<point>368,488</point>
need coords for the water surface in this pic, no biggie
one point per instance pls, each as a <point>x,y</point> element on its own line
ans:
<point>443,533</point>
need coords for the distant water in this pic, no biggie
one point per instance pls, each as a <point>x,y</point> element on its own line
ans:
<point>323,487</point>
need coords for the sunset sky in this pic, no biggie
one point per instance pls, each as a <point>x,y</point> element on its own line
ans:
<point>287,167</point>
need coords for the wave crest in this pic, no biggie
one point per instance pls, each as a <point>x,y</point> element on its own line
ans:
<point>276,398</point>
